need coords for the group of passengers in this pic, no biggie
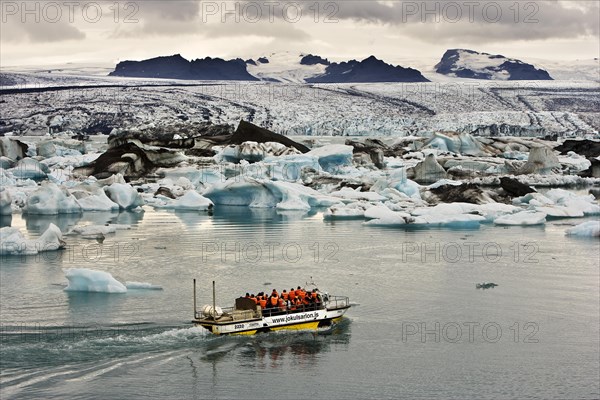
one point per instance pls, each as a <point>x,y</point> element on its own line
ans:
<point>292,300</point>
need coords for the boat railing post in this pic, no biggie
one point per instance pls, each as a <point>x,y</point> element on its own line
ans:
<point>195,309</point>
<point>214,303</point>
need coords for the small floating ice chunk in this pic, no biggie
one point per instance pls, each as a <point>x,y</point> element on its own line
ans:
<point>142,286</point>
<point>586,229</point>
<point>88,280</point>
<point>522,218</point>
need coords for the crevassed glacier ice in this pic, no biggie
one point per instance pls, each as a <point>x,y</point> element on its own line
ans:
<point>89,280</point>
<point>12,241</point>
<point>586,229</point>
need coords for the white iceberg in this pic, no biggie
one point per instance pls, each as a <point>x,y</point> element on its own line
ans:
<point>347,193</point>
<point>93,198</point>
<point>88,280</point>
<point>522,218</point>
<point>5,202</point>
<point>191,201</point>
<point>49,199</point>
<point>124,195</point>
<point>12,241</point>
<point>354,210</point>
<point>586,229</point>
<point>94,230</point>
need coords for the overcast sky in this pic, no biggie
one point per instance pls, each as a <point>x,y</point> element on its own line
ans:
<point>55,32</point>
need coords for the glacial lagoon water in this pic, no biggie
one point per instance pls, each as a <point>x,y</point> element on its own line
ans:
<point>418,327</point>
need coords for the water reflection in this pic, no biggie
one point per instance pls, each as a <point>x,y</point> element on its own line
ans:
<point>84,307</point>
<point>37,224</point>
<point>275,350</point>
<point>5,220</point>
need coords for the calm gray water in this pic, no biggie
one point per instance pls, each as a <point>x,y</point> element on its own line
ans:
<point>418,328</point>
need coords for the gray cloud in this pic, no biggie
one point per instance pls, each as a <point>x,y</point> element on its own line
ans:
<point>481,21</point>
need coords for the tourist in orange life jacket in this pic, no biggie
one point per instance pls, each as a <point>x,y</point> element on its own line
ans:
<point>274,293</point>
<point>284,295</point>
<point>263,302</point>
<point>247,295</point>
<point>281,304</point>
<point>292,294</point>
<point>274,299</point>
<point>300,292</point>
<point>299,305</point>
<point>253,298</point>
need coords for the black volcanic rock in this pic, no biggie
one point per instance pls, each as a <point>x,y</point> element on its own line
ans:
<point>247,132</point>
<point>263,60</point>
<point>314,60</point>
<point>588,148</point>
<point>177,67</point>
<point>367,70</point>
<point>250,62</point>
<point>455,62</point>
<point>515,188</point>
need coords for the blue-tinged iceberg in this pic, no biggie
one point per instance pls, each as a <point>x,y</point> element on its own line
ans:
<point>88,280</point>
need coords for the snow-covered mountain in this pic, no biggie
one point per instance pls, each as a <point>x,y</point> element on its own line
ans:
<point>464,63</point>
<point>277,67</point>
<point>286,67</point>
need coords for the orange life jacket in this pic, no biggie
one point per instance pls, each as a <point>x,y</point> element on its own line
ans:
<point>281,304</point>
<point>274,301</point>
<point>263,302</point>
<point>254,299</point>
<point>302,294</point>
<point>285,295</point>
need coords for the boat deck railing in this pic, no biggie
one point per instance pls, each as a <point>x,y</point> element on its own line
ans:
<point>233,314</point>
<point>334,302</point>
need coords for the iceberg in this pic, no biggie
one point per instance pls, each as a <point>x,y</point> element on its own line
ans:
<point>398,180</point>
<point>5,202</point>
<point>191,201</point>
<point>333,156</point>
<point>49,199</point>
<point>94,230</point>
<point>522,218</point>
<point>88,280</point>
<point>261,193</point>
<point>28,168</point>
<point>354,210</point>
<point>347,193</point>
<point>586,229</point>
<point>12,241</point>
<point>93,198</point>
<point>124,195</point>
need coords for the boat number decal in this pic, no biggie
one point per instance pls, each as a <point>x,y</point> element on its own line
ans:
<point>239,326</point>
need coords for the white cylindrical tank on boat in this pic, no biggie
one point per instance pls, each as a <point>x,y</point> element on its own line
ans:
<point>208,311</point>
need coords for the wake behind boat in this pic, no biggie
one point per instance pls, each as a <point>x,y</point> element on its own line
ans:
<point>288,311</point>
